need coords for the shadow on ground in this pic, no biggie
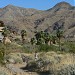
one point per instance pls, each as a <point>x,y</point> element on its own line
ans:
<point>39,73</point>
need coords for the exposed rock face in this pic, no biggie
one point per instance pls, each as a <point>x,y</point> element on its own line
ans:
<point>36,20</point>
<point>7,40</point>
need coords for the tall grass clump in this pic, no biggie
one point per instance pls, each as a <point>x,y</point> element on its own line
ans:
<point>46,48</point>
<point>2,52</point>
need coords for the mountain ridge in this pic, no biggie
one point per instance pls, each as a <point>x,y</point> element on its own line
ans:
<point>33,20</point>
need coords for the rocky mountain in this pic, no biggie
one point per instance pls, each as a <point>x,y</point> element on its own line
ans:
<point>33,20</point>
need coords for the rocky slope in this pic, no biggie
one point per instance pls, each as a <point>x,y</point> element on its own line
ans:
<point>35,20</point>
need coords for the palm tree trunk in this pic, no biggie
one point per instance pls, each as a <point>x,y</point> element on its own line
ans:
<point>4,39</point>
<point>23,39</point>
<point>59,44</point>
<point>50,42</point>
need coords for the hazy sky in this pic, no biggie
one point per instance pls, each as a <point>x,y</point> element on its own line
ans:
<point>37,4</point>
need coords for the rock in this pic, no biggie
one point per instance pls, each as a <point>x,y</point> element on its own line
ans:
<point>13,69</point>
<point>7,40</point>
<point>25,58</point>
<point>11,61</point>
<point>39,65</point>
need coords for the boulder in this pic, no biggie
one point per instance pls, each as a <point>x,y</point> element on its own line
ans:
<point>11,61</point>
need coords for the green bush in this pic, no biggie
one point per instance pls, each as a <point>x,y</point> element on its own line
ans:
<point>3,73</point>
<point>28,48</point>
<point>2,52</point>
<point>12,48</point>
<point>17,60</point>
<point>69,47</point>
<point>46,48</point>
<point>18,41</point>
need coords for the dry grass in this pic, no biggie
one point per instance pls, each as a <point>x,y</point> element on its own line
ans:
<point>58,61</point>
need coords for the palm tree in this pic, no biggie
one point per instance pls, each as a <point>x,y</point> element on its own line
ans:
<point>40,41</point>
<point>46,37</point>
<point>5,34</point>
<point>39,37</point>
<point>59,34</point>
<point>50,38</point>
<point>54,39</point>
<point>1,24</point>
<point>23,34</point>
<point>42,33</point>
<point>33,41</point>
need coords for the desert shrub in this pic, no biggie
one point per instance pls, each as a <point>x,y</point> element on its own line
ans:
<point>11,47</point>
<point>17,40</point>
<point>17,60</point>
<point>28,48</point>
<point>69,47</point>
<point>3,73</point>
<point>2,46</point>
<point>13,59</point>
<point>67,70</point>
<point>1,57</point>
<point>2,52</point>
<point>46,48</point>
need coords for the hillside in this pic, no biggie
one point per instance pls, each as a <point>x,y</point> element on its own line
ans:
<point>36,20</point>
